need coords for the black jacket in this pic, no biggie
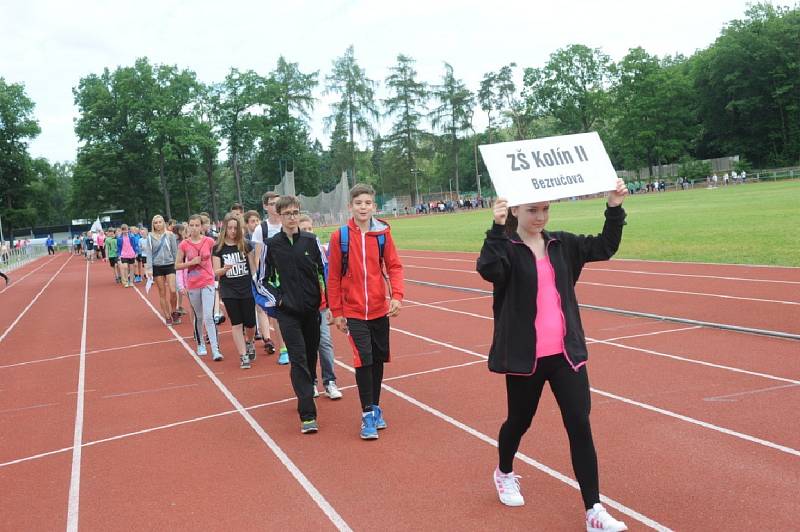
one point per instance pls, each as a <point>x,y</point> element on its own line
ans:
<point>295,272</point>
<point>510,266</point>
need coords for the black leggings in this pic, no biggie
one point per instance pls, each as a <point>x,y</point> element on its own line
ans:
<point>571,390</point>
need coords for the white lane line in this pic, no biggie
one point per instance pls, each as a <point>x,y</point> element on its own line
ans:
<point>528,460</point>
<point>645,406</point>
<point>21,314</point>
<point>337,520</point>
<point>694,361</point>
<point>689,293</point>
<point>32,407</point>
<point>729,398</point>
<point>621,346</point>
<point>444,301</point>
<point>654,333</point>
<point>15,282</point>
<point>203,418</point>
<point>96,351</point>
<point>691,275</point>
<point>75,477</point>
<point>648,261</point>
<point>628,287</point>
<point>711,426</point>
<point>151,390</point>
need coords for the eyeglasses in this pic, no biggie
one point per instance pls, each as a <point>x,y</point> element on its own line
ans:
<point>291,214</point>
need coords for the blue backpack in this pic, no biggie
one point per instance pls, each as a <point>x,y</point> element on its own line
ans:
<point>344,246</point>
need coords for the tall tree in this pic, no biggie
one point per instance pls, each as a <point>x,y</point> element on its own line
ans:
<point>284,136</point>
<point>749,88</point>
<point>453,116</point>
<point>572,87</point>
<point>357,101</point>
<point>17,127</point>
<point>239,96</point>
<point>655,119</point>
<point>171,126</point>
<point>406,104</point>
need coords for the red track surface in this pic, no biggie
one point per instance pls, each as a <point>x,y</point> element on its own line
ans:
<point>695,427</point>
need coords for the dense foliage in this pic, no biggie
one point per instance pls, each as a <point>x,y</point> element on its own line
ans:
<point>153,138</point>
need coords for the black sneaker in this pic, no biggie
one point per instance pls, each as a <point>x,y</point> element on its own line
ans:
<point>251,351</point>
<point>269,346</point>
<point>219,319</point>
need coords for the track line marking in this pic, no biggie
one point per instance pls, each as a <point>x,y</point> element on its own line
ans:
<point>628,287</point>
<point>699,362</point>
<point>646,334</point>
<point>151,390</point>
<point>649,261</point>
<point>287,462</point>
<point>692,275</point>
<point>75,476</point>
<point>209,416</point>
<point>528,460</point>
<point>710,426</point>
<point>17,281</point>
<point>96,351</point>
<point>21,314</point>
<point>688,293</point>
<point>728,398</point>
<point>621,346</point>
<point>32,407</point>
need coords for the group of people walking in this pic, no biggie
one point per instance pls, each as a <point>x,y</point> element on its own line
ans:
<point>278,283</point>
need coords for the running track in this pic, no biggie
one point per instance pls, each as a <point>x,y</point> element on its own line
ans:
<point>696,426</point>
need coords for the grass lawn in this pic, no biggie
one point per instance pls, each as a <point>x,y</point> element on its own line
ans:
<point>757,223</point>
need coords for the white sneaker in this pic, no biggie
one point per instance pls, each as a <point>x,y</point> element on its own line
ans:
<point>507,485</point>
<point>599,520</point>
<point>333,391</point>
<point>316,392</point>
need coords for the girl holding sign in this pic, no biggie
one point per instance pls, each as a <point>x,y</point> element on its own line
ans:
<point>538,336</point>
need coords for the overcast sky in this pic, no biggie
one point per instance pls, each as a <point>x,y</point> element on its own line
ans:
<point>49,45</point>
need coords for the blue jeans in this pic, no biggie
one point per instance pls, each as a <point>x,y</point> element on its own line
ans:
<point>326,349</point>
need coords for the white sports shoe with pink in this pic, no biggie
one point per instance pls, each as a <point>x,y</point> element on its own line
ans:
<point>507,485</point>
<point>599,520</point>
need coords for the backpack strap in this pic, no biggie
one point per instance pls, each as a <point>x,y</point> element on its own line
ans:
<point>344,246</point>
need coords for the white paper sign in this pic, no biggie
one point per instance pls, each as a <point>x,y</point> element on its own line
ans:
<point>530,171</point>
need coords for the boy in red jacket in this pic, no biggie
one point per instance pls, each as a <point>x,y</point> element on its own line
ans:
<point>362,273</point>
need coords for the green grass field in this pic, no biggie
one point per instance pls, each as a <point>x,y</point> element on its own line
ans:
<point>756,223</point>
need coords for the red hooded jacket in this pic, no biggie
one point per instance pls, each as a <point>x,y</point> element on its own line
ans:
<point>361,293</point>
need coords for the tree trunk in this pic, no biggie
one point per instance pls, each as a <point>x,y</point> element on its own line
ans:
<point>236,175</point>
<point>475,153</point>
<point>211,191</point>
<point>186,192</point>
<point>167,211</point>
<point>352,148</point>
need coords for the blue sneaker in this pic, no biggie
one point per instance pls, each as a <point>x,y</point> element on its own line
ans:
<point>283,358</point>
<point>380,423</point>
<point>368,430</point>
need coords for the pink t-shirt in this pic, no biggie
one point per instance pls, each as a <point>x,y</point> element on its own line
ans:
<point>549,318</point>
<point>127,251</point>
<point>199,275</point>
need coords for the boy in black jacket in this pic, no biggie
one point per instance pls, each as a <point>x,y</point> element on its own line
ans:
<point>295,275</point>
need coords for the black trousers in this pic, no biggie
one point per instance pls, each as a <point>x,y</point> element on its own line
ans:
<point>301,335</point>
<point>571,390</point>
<point>51,250</point>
